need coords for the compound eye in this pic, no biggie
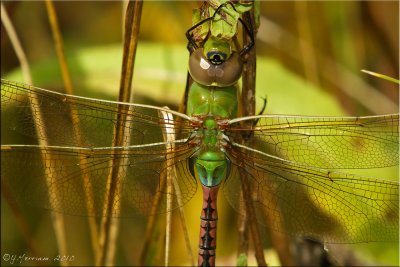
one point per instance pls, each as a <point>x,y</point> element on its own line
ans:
<point>232,69</point>
<point>199,68</point>
<point>204,72</point>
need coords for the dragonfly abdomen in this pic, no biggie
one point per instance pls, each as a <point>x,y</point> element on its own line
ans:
<point>208,227</point>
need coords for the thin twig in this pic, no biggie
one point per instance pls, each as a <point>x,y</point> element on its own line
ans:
<point>281,244</point>
<point>248,109</point>
<point>250,212</point>
<point>243,234</point>
<point>19,51</point>
<point>169,137</point>
<point>151,222</point>
<point>57,218</point>
<point>183,219</point>
<point>109,227</point>
<point>86,181</point>
<point>310,64</point>
<point>172,174</point>
<point>249,71</point>
<point>59,45</point>
<point>20,218</point>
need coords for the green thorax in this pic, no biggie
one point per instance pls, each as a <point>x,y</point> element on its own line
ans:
<point>219,102</point>
<point>211,166</point>
<point>211,104</point>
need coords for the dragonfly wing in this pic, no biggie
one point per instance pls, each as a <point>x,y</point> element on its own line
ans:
<point>316,203</point>
<point>326,142</point>
<point>67,164</point>
<point>67,120</point>
<point>75,180</point>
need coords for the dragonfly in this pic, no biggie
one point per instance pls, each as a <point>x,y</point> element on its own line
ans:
<point>293,164</point>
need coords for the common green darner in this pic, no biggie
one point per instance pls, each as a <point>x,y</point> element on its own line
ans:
<point>308,144</point>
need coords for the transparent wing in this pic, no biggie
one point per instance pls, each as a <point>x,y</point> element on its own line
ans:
<point>70,173</point>
<point>55,178</point>
<point>67,120</point>
<point>327,142</point>
<point>313,202</point>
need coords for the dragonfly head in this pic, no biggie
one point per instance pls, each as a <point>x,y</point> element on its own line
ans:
<point>210,167</point>
<point>215,64</point>
<point>212,62</point>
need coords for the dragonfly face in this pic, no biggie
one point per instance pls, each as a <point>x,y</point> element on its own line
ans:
<point>217,51</point>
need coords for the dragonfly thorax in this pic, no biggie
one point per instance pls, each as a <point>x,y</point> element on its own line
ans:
<point>212,101</point>
<point>210,165</point>
<point>210,133</point>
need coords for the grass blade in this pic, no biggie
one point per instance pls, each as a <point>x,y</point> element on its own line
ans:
<point>382,76</point>
<point>109,226</point>
<point>57,218</point>
<point>86,181</point>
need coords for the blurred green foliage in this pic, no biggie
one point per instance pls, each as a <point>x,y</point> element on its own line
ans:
<point>354,35</point>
